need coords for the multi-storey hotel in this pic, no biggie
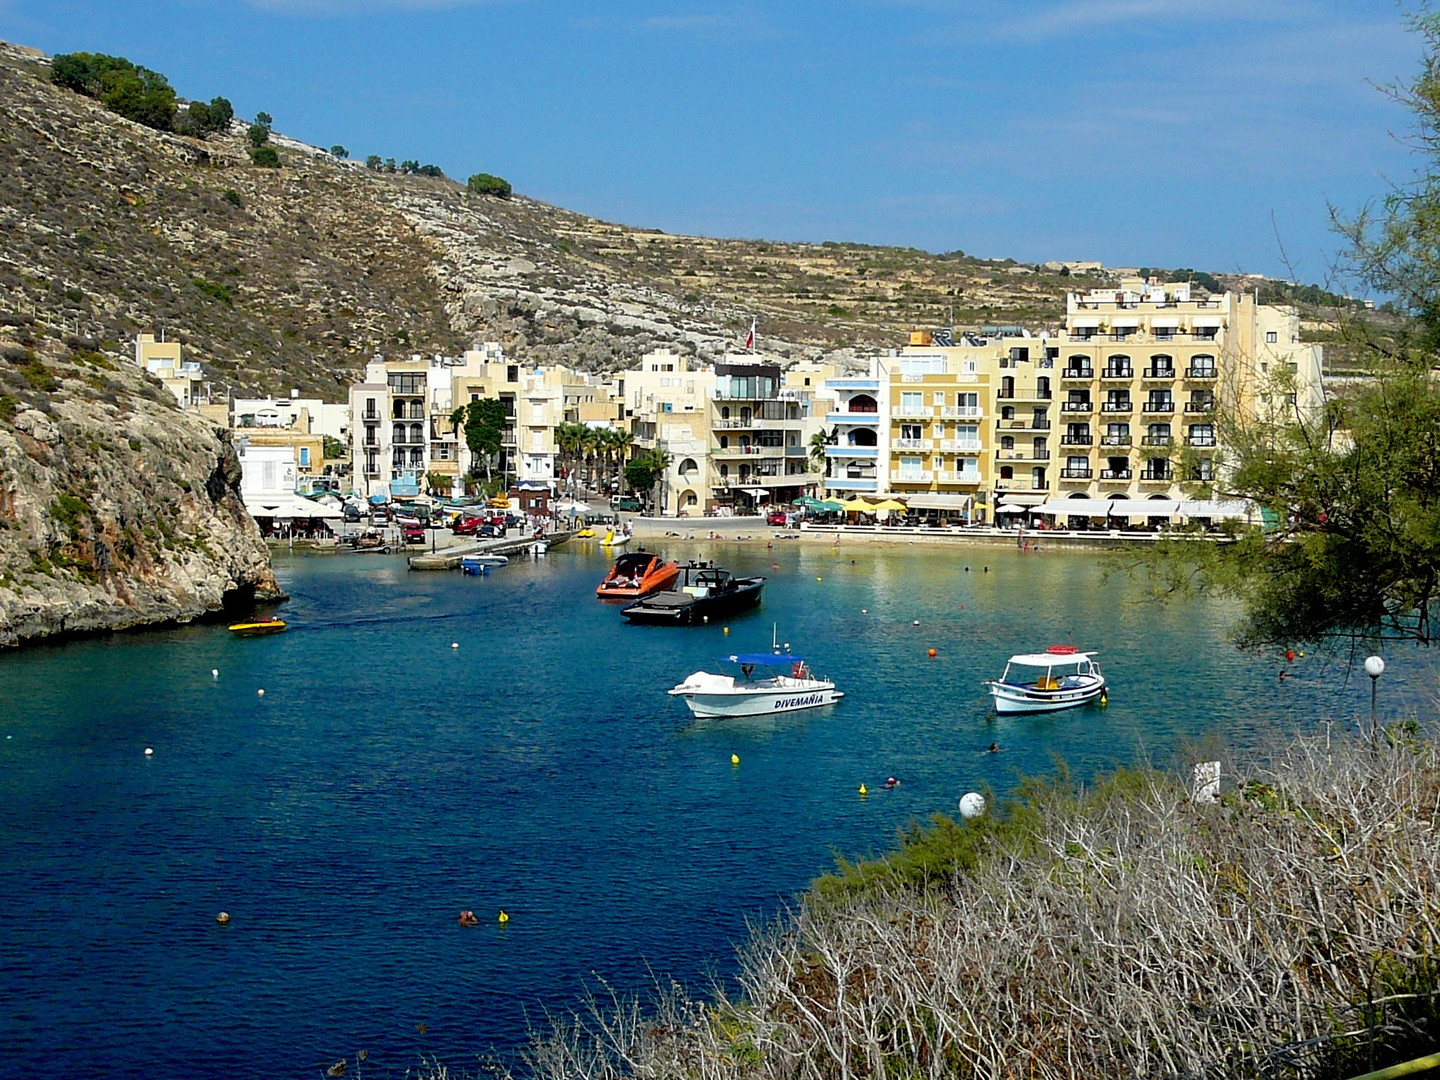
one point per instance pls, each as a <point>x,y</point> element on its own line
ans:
<point>1120,405</point>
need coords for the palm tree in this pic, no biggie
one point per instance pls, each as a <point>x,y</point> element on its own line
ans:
<point>621,440</point>
<point>818,442</point>
<point>569,438</point>
<point>590,451</point>
<point>659,462</point>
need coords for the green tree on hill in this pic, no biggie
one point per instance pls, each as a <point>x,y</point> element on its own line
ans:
<point>133,92</point>
<point>267,157</point>
<point>485,184</point>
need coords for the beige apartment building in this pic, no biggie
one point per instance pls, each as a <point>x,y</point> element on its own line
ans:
<point>1120,405</point>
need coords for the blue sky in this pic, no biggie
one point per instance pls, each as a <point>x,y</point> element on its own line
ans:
<point>1204,133</point>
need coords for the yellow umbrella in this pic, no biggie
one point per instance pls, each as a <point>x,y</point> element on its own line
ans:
<point>891,505</point>
<point>859,505</point>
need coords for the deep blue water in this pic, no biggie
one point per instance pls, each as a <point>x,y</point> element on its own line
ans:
<point>385,780</point>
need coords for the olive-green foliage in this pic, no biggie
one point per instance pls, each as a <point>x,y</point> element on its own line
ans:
<point>8,407</point>
<point>485,184</point>
<point>70,511</point>
<point>258,134</point>
<point>334,448</point>
<point>233,198</point>
<point>265,156</point>
<point>134,92</point>
<point>214,291</point>
<point>484,426</point>
<point>340,152</point>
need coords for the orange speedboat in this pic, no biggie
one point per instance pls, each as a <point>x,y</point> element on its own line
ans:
<point>636,574</point>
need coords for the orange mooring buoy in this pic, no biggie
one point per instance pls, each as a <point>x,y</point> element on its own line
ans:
<point>932,654</point>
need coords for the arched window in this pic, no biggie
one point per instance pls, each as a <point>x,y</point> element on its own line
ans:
<point>864,437</point>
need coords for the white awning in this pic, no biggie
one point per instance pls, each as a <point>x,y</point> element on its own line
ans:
<point>1026,501</point>
<point>1165,321</point>
<point>289,507</point>
<point>1207,320</point>
<point>927,501</point>
<point>1085,322</point>
<point>1012,508</point>
<point>1076,507</point>
<point>1215,508</point>
<point>1125,321</point>
<point>1122,508</point>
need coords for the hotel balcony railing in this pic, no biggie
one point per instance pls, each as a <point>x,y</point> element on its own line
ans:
<point>919,412</point>
<point>748,451</point>
<point>1076,440</point>
<point>1078,373</point>
<point>844,417</point>
<point>1075,474</point>
<point>924,476</point>
<point>1077,406</point>
<point>961,412</point>
<point>1115,474</point>
<point>1018,454</point>
<point>1157,440</point>
<point>1165,373</point>
<point>1200,440</point>
<point>1114,440</point>
<point>1117,406</point>
<point>1117,373</point>
<point>1157,476</point>
<point>960,446</point>
<point>1199,406</point>
<point>1024,395</point>
<point>960,477</point>
<point>910,444</point>
<point>1024,425</point>
<point>1158,407</point>
<point>1200,373</point>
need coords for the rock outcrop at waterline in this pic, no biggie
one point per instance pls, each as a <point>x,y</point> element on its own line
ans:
<point>116,508</point>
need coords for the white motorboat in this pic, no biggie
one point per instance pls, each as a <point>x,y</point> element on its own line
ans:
<point>767,683</point>
<point>1059,678</point>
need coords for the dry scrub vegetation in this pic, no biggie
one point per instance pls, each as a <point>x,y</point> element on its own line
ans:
<point>1288,930</point>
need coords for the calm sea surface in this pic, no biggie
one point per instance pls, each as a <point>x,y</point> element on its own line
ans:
<point>385,780</point>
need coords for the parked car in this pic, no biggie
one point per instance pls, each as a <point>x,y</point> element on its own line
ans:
<point>776,517</point>
<point>627,503</point>
<point>467,526</point>
<point>414,534</point>
<point>351,513</point>
<point>491,531</point>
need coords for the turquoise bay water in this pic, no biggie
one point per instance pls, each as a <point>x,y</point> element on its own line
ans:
<point>385,780</point>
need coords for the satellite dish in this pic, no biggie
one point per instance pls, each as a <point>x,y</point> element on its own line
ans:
<point>972,805</point>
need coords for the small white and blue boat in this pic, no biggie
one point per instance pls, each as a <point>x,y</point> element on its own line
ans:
<point>1061,677</point>
<point>480,565</point>
<point>766,684</point>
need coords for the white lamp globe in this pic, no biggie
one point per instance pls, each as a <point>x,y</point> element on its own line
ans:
<point>972,805</point>
<point>1374,666</point>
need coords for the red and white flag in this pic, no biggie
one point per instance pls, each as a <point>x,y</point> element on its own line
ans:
<point>750,337</point>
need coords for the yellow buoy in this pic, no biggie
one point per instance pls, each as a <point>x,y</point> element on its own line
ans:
<point>727,630</point>
<point>734,759</point>
<point>863,790</point>
<point>504,918</point>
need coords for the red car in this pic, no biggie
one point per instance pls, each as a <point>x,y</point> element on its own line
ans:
<point>467,526</point>
<point>777,517</point>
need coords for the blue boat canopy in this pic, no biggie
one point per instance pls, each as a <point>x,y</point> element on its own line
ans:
<point>767,659</point>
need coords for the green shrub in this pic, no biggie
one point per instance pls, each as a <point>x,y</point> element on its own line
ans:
<point>485,184</point>
<point>233,198</point>
<point>214,291</point>
<point>265,156</point>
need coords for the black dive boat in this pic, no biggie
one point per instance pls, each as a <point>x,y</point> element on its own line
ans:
<point>703,592</point>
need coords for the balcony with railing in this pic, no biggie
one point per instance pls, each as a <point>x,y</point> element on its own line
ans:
<point>960,446</point>
<point>1200,440</point>
<point>962,412</point>
<point>920,476</point>
<point>1021,483</point>
<point>1119,371</point>
<point>1157,440</point>
<point>1154,475</point>
<point>748,451</point>
<point>1158,405</point>
<point>1086,372</point>
<point>1199,406</point>
<point>959,476</point>
<point>907,412</point>
<point>844,451</point>
<point>1019,453</point>
<point>1114,475</point>
<point>1114,440</point>
<point>1038,423</point>
<point>1117,405</point>
<point>1024,394</point>
<point>1073,472</point>
<point>1077,440</point>
<point>1200,372</point>
<point>846,417</point>
<point>910,444</point>
<point>1158,374</point>
<point>1076,405</point>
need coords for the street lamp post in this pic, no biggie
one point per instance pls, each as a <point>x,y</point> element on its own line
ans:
<point>1374,667</point>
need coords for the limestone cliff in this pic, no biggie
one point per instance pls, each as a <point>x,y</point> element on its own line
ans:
<point>116,509</point>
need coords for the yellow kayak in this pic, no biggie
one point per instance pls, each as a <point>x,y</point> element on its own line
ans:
<point>256,627</point>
